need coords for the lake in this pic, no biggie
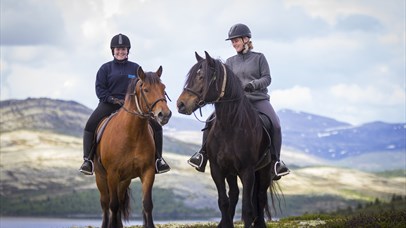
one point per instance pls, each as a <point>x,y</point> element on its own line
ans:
<point>23,222</point>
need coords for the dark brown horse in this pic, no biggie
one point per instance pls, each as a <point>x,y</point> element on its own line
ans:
<point>234,143</point>
<point>126,149</point>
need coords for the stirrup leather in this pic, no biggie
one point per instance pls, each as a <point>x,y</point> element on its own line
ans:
<point>280,174</point>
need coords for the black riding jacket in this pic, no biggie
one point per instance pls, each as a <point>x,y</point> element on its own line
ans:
<point>113,77</point>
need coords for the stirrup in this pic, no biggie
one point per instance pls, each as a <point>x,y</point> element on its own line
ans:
<point>283,173</point>
<point>85,171</point>
<point>200,157</point>
<point>157,161</point>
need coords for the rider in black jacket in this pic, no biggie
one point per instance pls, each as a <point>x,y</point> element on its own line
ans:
<point>112,81</point>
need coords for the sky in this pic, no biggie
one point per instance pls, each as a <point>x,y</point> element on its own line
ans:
<point>343,59</point>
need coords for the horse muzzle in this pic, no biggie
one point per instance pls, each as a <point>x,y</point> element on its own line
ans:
<point>163,117</point>
<point>187,106</point>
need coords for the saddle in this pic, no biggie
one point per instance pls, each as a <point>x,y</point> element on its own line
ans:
<point>266,155</point>
<point>102,127</point>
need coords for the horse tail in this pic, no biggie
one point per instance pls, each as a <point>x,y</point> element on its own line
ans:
<point>125,206</point>
<point>276,194</point>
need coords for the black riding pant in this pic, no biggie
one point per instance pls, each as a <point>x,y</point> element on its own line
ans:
<point>103,110</point>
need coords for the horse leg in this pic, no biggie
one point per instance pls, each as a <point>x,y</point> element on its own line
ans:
<point>101,183</point>
<point>115,216</point>
<point>223,201</point>
<point>124,200</point>
<point>247,179</point>
<point>233,194</point>
<point>262,183</point>
<point>147,181</point>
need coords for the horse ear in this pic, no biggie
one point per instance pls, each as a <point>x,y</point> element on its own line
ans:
<point>159,71</point>
<point>209,59</point>
<point>198,57</point>
<point>140,73</point>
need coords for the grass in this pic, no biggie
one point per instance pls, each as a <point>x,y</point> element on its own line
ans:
<point>377,214</point>
<point>386,219</point>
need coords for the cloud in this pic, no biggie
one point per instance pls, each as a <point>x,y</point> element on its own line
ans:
<point>323,54</point>
<point>369,95</point>
<point>297,98</point>
<point>359,22</point>
<point>26,22</point>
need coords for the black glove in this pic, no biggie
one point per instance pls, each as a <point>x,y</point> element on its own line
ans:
<point>119,102</point>
<point>110,99</point>
<point>113,100</point>
<point>249,87</point>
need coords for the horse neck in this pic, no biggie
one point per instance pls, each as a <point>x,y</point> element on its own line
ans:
<point>130,120</point>
<point>235,112</point>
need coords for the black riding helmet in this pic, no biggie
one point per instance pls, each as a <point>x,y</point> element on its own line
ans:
<point>239,30</point>
<point>120,41</point>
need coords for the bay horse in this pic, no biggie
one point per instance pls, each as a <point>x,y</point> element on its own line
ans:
<point>234,143</point>
<point>126,149</point>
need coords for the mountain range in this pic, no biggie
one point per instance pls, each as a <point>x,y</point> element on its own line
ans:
<point>312,134</point>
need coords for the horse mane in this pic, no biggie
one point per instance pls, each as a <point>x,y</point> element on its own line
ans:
<point>239,111</point>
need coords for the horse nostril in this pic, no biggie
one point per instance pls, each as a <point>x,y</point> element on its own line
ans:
<point>181,106</point>
<point>162,115</point>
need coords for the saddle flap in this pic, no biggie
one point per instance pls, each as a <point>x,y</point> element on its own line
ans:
<point>102,126</point>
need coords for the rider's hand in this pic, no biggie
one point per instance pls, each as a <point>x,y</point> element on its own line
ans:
<point>113,100</point>
<point>119,102</point>
<point>249,87</point>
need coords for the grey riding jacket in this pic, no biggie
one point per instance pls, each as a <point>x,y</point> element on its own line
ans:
<point>252,67</point>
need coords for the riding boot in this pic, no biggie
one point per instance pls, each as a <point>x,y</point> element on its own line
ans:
<point>160,164</point>
<point>199,159</point>
<point>87,167</point>
<point>279,168</point>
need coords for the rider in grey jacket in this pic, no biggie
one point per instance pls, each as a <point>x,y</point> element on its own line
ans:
<point>253,70</point>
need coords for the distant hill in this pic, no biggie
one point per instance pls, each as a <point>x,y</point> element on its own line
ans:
<point>61,116</point>
<point>44,114</point>
<point>313,134</point>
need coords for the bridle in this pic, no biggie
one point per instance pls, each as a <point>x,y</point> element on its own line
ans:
<point>139,112</point>
<point>201,99</point>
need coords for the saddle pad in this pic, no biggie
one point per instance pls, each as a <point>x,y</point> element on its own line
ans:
<point>103,125</point>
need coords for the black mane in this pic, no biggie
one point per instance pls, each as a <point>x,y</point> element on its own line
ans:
<point>234,106</point>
